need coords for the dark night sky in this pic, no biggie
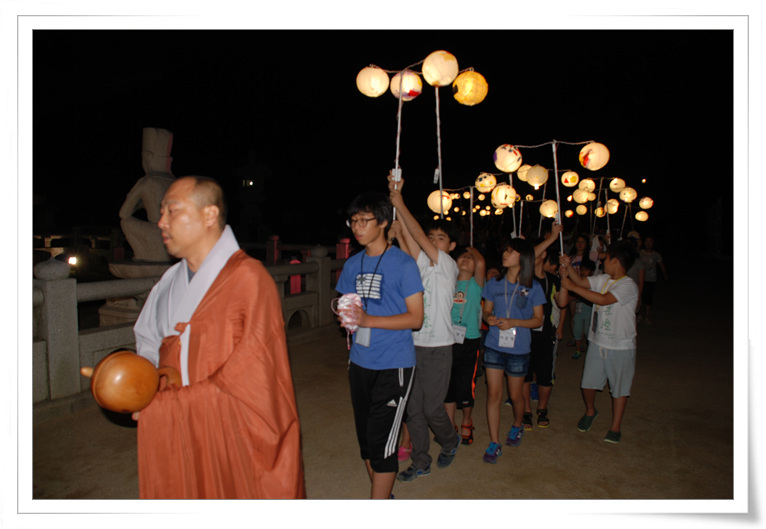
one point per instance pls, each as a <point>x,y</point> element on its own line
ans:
<point>285,104</point>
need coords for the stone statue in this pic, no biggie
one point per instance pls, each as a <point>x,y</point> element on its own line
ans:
<point>144,235</point>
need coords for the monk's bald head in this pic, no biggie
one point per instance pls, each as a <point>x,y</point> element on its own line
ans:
<point>207,192</point>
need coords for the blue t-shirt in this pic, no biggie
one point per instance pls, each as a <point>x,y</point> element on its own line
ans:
<point>523,300</point>
<point>384,284</point>
<point>466,308</point>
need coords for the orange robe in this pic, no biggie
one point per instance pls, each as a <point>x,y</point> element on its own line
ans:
<point>233,432</point>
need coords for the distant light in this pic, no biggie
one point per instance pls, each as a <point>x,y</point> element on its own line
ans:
<point>73,261</point>
<point>643,180</point>
<point>467,195</point>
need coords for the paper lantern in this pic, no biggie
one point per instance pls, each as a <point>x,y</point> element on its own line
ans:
<point>594,156</point>
<point>372,81</point>
<point>580,196</point>
<point>522,172</point>
<point>537,176</point>
<point>599,211</point>
<point>549,208</point>
<point>591,197</point>
<point>569,213</point>
<point>481,196</point>
<point>628,194</point>
<point>412,86</point>
<point>581,209</point>
<point>507,158</point>
<point>642,216</point>
<point>485,182</point>
<point>587,184</point>
<point>570,179</point>
<point>440,68</point>
<point>617,185</point>
<point>433,201</point>
<point>646,203</point>
<point>470,88</point>
<point>498,211</point>
<point>530,198</point>
<point>503,196</point>
<point>612,205</point>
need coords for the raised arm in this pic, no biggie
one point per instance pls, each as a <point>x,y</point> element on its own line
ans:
<point>556,229</point>
<point>410,223</point>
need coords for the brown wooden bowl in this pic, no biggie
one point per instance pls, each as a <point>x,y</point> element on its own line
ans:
<point>124,381</point>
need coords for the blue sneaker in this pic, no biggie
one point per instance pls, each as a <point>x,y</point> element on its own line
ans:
<point>412,473</point>
<point>514,436</point>
<point>491,454</point>
<point>446,457</point>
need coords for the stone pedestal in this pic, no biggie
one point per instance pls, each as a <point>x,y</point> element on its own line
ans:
<point>126,310</point>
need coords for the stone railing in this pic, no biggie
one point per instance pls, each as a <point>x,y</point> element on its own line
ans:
<point>60,349</point>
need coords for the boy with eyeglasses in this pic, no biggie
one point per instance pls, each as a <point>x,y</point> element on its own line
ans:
<point>382,355</point>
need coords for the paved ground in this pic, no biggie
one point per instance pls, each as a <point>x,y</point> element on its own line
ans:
<point>678,435</point>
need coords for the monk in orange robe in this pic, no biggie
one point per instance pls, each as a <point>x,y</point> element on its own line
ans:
<point>231,429</point>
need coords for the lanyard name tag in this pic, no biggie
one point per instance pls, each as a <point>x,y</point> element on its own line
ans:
<point>362,336</point>
<point>507,338</point>
<point>459,331</point>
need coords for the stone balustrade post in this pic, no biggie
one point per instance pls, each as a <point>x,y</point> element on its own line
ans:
<point>320,283</point>
<point>272,250</point>
<point>59,327</point>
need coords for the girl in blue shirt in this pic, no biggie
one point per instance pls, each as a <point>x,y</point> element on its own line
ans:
<point>513,305</point>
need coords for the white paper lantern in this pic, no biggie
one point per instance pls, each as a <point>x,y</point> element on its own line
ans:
<point>617,185</point>
<point>537,176</point>
<point>642,216</point>
<point>470,88</point>
<point>612,205</point>
<point>587,184</point>
<point>569,213</point>
<point>433,201</point>
<point>549,208</point>
<point>581,209</point>
<point>530,198</point>
<point>594,156</point>
<point>440,68</point>
<point>521,174</point>
<point>499,211</point>
<point>646,203</point>
<point>412,86</point>
<point>580,196</point>
<point>628,194</point>
<point>485,182</point>
<point>503,196</point>
<point>372,81</point>
<point>570,179</point>
<point>599,212</point>
<point>507,158</point>
<point>591,197</point>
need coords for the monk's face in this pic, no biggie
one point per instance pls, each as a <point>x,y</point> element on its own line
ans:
<point>182,222</point>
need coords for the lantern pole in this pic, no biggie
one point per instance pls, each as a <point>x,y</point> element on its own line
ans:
<point>558,197</point>
<point>521,215</point>
<point>397,170</point>
<point>622,228</point>
<point>439,151</point>
<point>600,182</point>
<point>471,220</point>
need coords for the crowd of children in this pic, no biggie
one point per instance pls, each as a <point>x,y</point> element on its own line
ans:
<point>434,317</point>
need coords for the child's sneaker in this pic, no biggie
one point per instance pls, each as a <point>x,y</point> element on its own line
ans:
<point>404,453</point>
<point>412,473</point>
<point>491,454</point>
<point>514,436</point>
<point>508,403</point>
<point>577,355</point>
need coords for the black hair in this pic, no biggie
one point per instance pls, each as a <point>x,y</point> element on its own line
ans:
<point>624,252</point>
<point>443,225</point>
<point>587,264</point>
<point>379,204</point>
<point>526,261</point>
<point>583,235</point>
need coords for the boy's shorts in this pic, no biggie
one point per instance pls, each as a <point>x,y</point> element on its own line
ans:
<point>616,366</point>
<point>513,365</point>
<point>379,399</point>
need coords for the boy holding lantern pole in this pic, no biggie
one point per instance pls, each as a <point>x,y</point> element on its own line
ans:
<point>612,337</point>
<point>433,341</point>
